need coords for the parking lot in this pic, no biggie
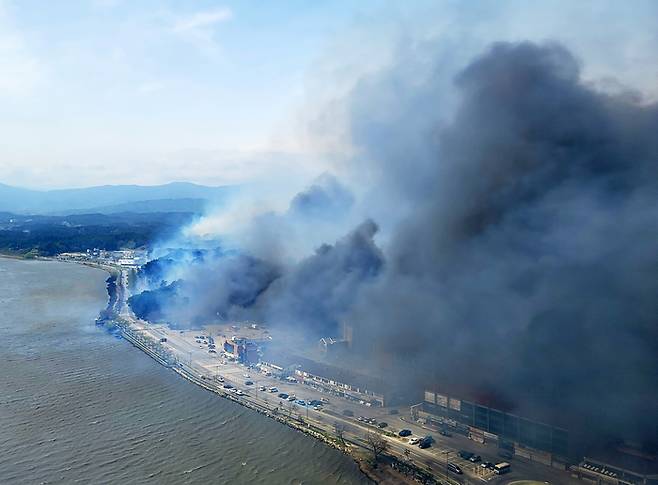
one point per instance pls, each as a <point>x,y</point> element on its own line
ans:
<point>357,419</point>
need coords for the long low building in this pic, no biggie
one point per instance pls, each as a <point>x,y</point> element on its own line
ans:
<point>525,437</point>
<point>332,379</point>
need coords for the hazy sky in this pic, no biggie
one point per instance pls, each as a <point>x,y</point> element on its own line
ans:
<point>118,91</point>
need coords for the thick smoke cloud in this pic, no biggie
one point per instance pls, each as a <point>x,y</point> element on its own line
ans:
<point>310,295</point>
<point>316,293</point>
<point>520,259</point>
<point>527,267</point>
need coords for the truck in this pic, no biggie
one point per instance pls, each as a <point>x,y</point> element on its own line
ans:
<point>502,468</point>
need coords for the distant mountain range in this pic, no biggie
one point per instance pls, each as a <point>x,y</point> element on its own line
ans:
<point>111,199</point>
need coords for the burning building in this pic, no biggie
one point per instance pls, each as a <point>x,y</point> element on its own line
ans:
<point>242,350</point>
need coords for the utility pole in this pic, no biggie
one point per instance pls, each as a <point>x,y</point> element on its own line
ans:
<point>447,452</point>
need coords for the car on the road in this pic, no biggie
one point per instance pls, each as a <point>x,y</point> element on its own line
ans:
<point>324,400</point>
<point>273,389</point>
<point>248,383</point>
<point>262,388</point>
<point>487,465</point>
<point>466,455</point>
<point>382,424</point>
<point>315,402</point>
<point>291,398</point>
<point>247,376</point>
<point>475,458</point>
<point>318,408</point>
<point>301,402</point>
<point>454,468</point>
<point>414,441</point>
<point>239,392</point>
<point>405,432</point>
<point>445,432</point>
<point>212,351</point>
<point>227,386</point>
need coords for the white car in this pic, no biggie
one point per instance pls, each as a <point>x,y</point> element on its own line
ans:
<point>414,441</point>
<point>273,389</point>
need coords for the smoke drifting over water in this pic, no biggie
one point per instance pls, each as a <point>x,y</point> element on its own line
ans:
<point>525,262</point>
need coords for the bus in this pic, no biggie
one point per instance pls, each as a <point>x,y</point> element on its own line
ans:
<point>501,468</point>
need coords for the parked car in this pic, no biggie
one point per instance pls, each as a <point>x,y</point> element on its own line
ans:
<point>487,464</point>
<point>466,455</point>
<point>405,432</point>
<point>248,383</point>
<point>475,458</point>
<point>382,425</point>
<point>263,388</point>
<point>444,432</point>
<point>273,389</point>
<point>414,441</point>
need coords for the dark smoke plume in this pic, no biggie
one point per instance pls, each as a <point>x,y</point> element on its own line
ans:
<point>528,264</point>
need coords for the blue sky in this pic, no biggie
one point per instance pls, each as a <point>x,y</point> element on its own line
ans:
<point>118,91</point>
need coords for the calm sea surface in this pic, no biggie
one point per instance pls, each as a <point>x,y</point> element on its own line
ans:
<point>78,405</point>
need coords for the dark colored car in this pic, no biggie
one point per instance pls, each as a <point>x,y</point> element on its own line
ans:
<point>454,468</point>
<point>283,395</point>
<point>466,455</point>
<point>444,432</point>
<point>426,442</point>
<point>487,464</point>
<point>382,425</point>
<point>227,386</point>
<point>248,383</point>
<point>405,432</point>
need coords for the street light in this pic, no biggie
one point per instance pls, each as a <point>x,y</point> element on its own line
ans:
<point>447,452</point>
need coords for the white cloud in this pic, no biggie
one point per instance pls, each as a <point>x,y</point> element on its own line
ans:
<point>198,29</point>
<point>202,20</point>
